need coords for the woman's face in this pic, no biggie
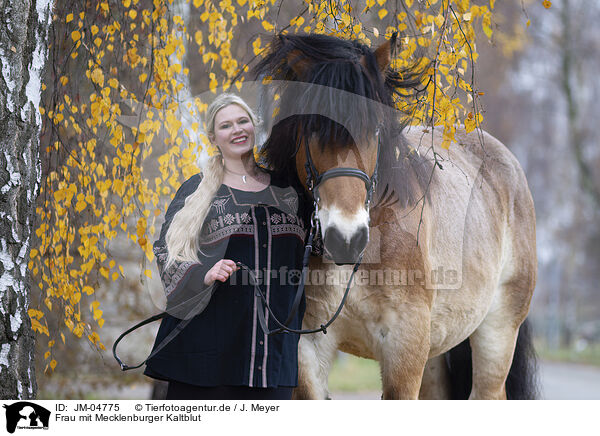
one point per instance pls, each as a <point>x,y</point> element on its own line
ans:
<point>234,131</point>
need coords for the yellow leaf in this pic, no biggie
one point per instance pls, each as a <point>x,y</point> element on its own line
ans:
<point>268,26</point>
<point>382,13</point>
<point>487,30</point>
<point>98,77</point>
<point>148,273</point>
<point>256,46</point>
<point>547,4</point>
<point>76,35</point>
<point>470,124</point>
<point>69,18</point>
<point>53,364</point>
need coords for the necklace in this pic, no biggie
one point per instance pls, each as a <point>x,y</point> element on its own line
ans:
<point>243,176</point>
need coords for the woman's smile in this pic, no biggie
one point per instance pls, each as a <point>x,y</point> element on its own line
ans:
<point>240,139</point>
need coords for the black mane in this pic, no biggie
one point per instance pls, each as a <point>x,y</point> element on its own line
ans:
<point>335,64</point>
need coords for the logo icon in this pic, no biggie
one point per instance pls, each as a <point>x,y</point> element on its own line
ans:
<point>26,415</point>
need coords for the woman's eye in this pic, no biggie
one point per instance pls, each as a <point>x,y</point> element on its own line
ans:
<point>244,121</point>
<point>225,126</point>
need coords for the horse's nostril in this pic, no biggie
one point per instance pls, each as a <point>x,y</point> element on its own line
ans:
<point>359,240</point>
<point>342,251</point>
<point>333,240</point>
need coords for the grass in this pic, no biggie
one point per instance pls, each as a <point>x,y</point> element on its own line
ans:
<point>354,374</point>
<point>589,355</point>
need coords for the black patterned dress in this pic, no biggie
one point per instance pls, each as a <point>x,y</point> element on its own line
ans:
<point>222,343</point>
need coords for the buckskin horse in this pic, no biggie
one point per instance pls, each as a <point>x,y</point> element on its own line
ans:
<point>446,238</point>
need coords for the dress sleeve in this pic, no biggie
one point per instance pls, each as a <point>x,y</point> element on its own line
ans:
<point>183,282</point>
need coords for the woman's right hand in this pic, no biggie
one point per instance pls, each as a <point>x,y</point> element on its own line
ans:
<point>221,271</point>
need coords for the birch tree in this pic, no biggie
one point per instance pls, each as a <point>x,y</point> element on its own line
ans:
<point>23,53</point>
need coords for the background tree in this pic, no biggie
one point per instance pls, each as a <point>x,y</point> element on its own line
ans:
<point>540,91</point>
<point>23,53</point>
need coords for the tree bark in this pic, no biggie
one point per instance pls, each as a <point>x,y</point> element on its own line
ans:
<point>23,53</point>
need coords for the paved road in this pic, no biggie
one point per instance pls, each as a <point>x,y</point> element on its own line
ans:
<point>559,381</point>
<point>563,381</point>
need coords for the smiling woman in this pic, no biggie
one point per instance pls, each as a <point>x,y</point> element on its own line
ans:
<point>234,212</point>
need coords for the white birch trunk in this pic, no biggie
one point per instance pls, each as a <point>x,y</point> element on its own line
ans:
<point>23,53</point>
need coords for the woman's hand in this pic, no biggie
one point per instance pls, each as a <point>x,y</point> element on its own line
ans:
<point>221,271</point>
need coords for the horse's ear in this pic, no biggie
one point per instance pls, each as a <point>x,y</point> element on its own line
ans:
<point>383,53</point>
<point>298,62</point>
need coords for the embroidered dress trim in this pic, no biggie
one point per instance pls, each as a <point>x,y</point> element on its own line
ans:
<point>172,275</point>
<point>254,309</point>
<point>226,232</point>
<point>268,278</point>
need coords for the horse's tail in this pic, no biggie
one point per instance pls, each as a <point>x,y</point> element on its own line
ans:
<point>522,382</point>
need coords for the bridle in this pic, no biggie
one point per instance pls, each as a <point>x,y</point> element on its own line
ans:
<point>313,180</point>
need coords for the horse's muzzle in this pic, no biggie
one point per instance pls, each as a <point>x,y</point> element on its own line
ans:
<point>342,251</point>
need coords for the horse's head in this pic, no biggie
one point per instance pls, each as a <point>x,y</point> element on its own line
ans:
<point>335,107</point>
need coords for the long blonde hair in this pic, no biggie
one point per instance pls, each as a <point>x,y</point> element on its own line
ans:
<point>183,235</point>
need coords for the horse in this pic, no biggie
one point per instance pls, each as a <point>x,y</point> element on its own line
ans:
<point>446,239</point>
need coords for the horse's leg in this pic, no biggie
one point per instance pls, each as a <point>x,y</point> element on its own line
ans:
<point>493,342</point>
<point>492,348</point>
<point>403,348</point>
<point>316,354</point>
<point>436,380</point>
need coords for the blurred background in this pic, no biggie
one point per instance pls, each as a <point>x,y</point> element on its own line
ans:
<point>541,98</point>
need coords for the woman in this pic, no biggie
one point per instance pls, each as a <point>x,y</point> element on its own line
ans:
<point>235,212</point>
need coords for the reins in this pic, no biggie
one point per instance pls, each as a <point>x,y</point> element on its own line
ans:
<point>282,327</point>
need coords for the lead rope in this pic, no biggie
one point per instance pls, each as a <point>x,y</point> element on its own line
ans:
<point>283,327</point>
